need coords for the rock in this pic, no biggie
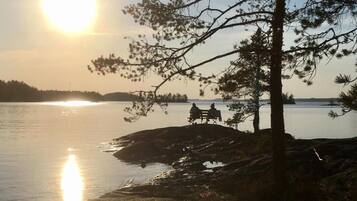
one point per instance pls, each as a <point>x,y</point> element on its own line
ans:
<point>318,169</point>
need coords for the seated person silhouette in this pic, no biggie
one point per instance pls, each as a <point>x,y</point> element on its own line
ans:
<point>195,112</point>
<point>213,113</point>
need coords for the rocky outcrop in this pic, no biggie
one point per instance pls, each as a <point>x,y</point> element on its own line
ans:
<point>212,162</point>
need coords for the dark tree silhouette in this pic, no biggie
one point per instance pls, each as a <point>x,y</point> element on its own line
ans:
<point>277,110</point>
<point>348,100</point>
<point>288,98</point>
<point>17,91</point>
<point>324,29</point>
<point>336,37</point>
<point>247,77</point>
<point>241,112</point>
<point>190,24</point>
<point>172,98</point>
<point>181,26</point>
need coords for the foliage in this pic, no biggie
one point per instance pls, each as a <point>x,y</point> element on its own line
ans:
<point>16,91</point>
<point>249,74</point>
<point>241,112</point>
<point>120,96</point>
<point>56,95</point>
<point>247,77</point>
<point>336,38</point>
<point>172,98</point>
<point>348,100</point>
<point>288,98</point>
<point>181,26</point>
<point>323,29</point>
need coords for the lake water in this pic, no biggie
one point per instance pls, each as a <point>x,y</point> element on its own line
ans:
<point>54,151</point>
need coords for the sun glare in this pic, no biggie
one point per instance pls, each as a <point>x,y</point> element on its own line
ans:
<point>71,184</point>
<point>71,16</point>
<point>72,103</point>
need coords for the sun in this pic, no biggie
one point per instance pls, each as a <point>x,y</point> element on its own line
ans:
<point>70,16</point>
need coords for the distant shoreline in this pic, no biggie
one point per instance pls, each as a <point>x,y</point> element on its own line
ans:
<point>324,102</point>
<point>69,100</point>
<point>18,91</point>
<point>266,100</point>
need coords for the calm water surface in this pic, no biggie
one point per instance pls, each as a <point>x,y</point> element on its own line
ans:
<point>54,151</point>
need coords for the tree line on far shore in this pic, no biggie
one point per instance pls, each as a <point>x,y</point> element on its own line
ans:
<point>18,91</point>
<point>169,98</point>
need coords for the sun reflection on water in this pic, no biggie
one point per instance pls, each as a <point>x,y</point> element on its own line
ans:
<point>72,103</point>
<point>71,183</point>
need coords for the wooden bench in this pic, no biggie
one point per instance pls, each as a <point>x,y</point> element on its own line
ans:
<point>204,115</point>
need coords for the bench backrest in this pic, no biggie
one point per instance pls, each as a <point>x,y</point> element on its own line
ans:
<point>204,113</point>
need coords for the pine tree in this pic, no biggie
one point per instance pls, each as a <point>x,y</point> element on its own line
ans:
<point>181,26</point>
<point>247,78</point>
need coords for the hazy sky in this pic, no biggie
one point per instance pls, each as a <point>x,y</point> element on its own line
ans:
<point>34,51</point>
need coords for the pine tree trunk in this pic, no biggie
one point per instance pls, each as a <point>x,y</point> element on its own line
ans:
<point>257,87</point>
<point>256,96</point>
<point>256,120</point>
<point>277,110</point>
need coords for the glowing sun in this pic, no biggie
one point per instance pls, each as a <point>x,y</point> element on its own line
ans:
<point>70,15</point>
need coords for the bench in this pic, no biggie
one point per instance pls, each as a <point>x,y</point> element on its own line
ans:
<point>204,115</point>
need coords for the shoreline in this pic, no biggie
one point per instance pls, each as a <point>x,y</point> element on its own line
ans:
<point>218,163</point>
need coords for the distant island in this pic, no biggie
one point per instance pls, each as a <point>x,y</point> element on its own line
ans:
<point>18,91</point>
<point>173,98</point>
<point>288,98</point>
<point>119,96</point>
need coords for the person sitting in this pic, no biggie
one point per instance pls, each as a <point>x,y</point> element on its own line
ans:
<point>195,112</point>
<point>213,113</point>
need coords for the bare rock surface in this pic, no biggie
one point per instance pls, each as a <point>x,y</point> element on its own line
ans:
<point>212,162</point>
